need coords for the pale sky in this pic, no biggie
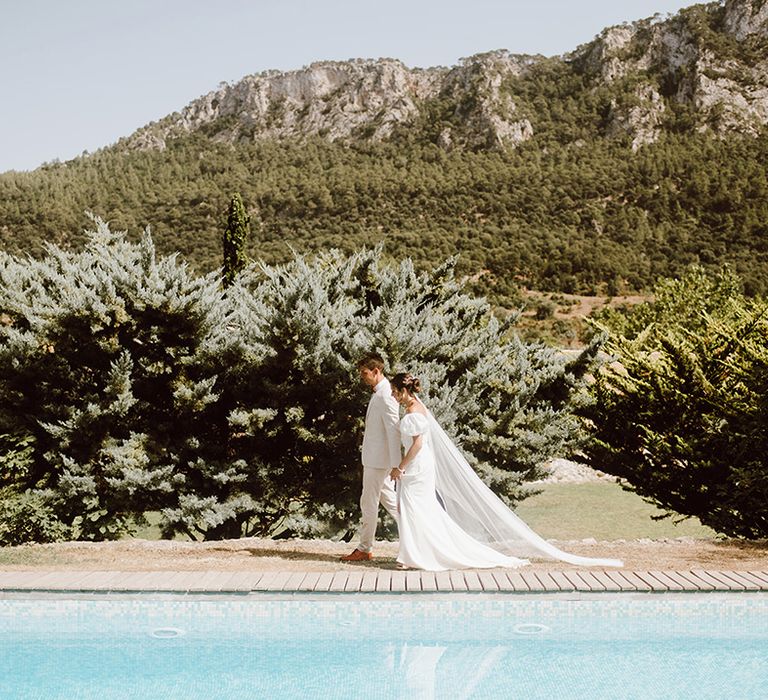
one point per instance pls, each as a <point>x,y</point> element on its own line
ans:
<point>77,75</point>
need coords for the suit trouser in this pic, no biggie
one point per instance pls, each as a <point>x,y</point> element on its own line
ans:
<point>377,488</point>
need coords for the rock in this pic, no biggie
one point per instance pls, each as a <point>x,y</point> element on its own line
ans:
<point>742,19</point>
<point>564,471</point>
<point>491,119</point>
<point>727,92</point>
<point>603,55</point>
<point>730,104</point>
<point>640,116</point>
<point>444,139</point>
<point>354,99</point>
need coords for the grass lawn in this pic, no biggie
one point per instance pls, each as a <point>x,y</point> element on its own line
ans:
<point>151,531</point>
<point>602,510</point>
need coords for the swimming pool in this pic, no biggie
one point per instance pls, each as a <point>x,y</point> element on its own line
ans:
<point>383,646</point>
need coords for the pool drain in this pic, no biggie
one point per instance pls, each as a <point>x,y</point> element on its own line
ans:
<point>166,632</point>
<point>529,628</point>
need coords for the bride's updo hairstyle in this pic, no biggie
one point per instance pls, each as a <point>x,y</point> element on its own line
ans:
<point>405,380</point>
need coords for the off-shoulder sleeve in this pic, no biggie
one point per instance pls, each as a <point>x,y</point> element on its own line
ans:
<point>414,424</point>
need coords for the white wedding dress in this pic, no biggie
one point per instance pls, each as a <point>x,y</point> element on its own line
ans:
<point>449,518</point>
<point>429,539</point>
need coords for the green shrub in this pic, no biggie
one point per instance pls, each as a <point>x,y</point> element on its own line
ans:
<point>238,411</point>
<point>28,517</point>
<point>24,516</point>
<point>510,404</point>
<point>110,362</point>
<point>681,414</point>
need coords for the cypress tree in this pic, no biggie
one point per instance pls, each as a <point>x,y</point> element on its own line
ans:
<point>235,235</point>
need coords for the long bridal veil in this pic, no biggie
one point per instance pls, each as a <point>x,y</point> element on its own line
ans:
<point>481,513</point>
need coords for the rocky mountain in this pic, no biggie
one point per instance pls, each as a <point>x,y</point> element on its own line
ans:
<point>600,171</point>
<point>710,61</point>
<point>711,58</point>
<point>359,99</point>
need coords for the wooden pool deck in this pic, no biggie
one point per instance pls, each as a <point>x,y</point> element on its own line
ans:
<point>496,581</point>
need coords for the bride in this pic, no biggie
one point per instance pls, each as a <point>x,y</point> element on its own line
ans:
<point>448,518</point>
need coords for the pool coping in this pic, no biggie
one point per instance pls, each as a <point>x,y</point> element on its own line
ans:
<point>385,581</point>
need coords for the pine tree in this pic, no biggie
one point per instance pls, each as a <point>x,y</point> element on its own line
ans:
<point>235,236</point>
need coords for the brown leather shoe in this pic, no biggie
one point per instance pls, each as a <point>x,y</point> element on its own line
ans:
<point>357,555</point>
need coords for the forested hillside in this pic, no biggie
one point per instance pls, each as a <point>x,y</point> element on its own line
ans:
<point>602,171</point>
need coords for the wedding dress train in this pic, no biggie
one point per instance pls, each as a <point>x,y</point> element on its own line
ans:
<point>449,518</point>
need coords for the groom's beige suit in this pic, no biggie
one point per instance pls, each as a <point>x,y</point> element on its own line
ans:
<point>381,452</point>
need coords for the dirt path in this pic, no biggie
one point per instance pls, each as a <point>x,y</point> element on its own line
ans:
<point>253,554</point>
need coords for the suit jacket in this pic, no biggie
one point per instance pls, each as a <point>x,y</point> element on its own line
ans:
<point>381,439</point>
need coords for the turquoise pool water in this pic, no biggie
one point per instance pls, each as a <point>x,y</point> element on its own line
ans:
<point>396,646</point>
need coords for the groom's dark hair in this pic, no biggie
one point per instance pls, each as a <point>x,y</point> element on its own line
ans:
<point>371,361</point>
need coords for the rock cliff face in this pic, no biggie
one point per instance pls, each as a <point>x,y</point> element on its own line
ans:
<point>359,99</point>
<point>327,99</point>
<point>711,59</point>
<point>743,19</point>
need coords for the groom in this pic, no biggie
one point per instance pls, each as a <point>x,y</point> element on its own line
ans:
<point>381,453</point>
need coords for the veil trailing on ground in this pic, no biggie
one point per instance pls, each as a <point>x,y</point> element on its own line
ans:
<point>481,513</point>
